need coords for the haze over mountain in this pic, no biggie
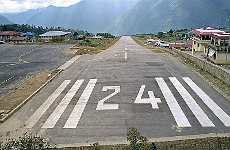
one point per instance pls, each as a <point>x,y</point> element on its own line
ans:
<point>4,20</point>
<point>91,15</point>
<point>151,16</point>
<point>23,17</point>
<point>130,16</point>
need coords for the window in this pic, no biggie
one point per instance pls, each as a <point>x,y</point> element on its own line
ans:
<point>214,56</point>
<point>221,43</point>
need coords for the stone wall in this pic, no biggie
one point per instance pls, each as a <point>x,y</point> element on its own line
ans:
<point>215,70</point>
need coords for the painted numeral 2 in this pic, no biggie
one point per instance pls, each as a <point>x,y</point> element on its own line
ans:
<point>152,99</point>
<point>101,105</point>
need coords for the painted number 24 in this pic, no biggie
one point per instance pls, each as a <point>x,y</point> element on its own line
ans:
<point>152,99</point>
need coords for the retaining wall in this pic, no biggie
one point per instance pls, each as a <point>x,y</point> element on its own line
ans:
<point>215,70</point>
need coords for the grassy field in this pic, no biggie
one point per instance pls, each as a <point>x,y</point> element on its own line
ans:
<point>88,49</point>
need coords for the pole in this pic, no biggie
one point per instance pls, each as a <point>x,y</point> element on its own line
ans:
<point>228,48</point>
<point>175,39</point>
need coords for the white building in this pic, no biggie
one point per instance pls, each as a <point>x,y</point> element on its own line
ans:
<point>55,34</point>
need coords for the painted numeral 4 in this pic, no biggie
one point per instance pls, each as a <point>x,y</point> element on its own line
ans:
<point>152,99</point>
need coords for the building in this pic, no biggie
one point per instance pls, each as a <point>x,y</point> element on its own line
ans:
<point>94,37</point>
<point>217,50</point>
<point>19,39</point>
<point>181,45</point>
<point>7,35</point>
<point>201,37</point>
<point>55,34</point>
<point>28,34</point>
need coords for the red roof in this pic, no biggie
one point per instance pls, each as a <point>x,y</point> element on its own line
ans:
<point>89,37</point>
<point>9,33</point>
<point>207,31</point>
<point>222,35</point>
<point>19,39</point>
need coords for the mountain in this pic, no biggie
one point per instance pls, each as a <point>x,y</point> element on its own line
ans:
<point>4,20</point>
<point>23,17</point>
<point>91,15</point>
<point>151,16</point>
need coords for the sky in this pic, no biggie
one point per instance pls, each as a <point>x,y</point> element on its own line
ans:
<point>15,6</point>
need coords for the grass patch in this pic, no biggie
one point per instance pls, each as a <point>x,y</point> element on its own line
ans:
<point>106,43</point>
<point>93,47</point>
<point>140,42</point>
<point>96,41</point>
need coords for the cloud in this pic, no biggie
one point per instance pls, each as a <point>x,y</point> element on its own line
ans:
<point>15,6</point>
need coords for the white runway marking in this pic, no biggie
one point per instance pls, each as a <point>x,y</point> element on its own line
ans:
<point>42,109</point>
<point>68,63</point>
<point>194,107</point>
<point>175,108</point>
<point>209,102</point>
<point>102,106</point>
<point>152,99</point>
<point>54,117</point>
<point>126,56</point>
<point>75,116</point>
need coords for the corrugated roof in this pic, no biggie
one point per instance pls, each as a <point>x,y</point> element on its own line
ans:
<point>55,33</point>
<point>27,34</point>
<point>207,31</point>
<point>9,33</point>
<point>222,35</point>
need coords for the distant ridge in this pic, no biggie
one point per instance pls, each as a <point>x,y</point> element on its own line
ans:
<point>91,15</point>
<point>151,16</point>
<point>121,17</point>
<point>4,20</point>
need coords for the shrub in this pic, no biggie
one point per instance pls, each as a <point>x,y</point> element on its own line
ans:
<point>27,142</point>
<point>137,142</point>
<point>57,39</point>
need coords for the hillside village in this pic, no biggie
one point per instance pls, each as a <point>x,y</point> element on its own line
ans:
<point>16,34</point>
<point>210,43</point>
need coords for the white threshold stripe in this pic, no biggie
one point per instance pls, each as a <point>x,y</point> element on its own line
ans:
<point>54,117</point>
<point>175,108</point>
<point>209,102</point>
<point>125,55</point>
<point>68,63</point>
<point>43,108</point>
<point>194,107</point>
<point>77,112</point>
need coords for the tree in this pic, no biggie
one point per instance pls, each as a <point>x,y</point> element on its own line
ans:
<point>170,32</point>
<point>75,34</point>
<point>87,34</point>
<point>160,34</point>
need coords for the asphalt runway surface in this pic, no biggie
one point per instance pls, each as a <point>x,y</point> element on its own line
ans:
<point>100,97</point>
<point>19,62</point>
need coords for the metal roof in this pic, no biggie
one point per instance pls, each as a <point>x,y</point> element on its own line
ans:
<point>55,33</point>
<point>9,33</point>
<point>207,31</point>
